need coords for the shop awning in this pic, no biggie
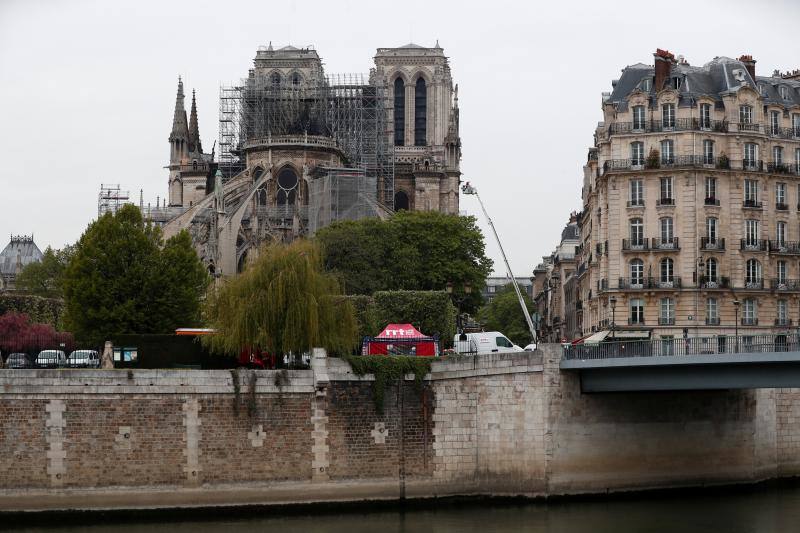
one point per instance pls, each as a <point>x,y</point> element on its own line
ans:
<point>597,338</point>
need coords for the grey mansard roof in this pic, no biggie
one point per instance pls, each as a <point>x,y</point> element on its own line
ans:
<point>20,250</point>
<point>714,79</point>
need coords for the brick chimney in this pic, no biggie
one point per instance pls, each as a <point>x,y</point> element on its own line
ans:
<point>750,65</point>
<point>663,63</point>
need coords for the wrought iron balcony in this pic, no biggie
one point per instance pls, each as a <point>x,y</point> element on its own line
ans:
<point>783,322</point>
<point>749,126</point>
<point>784,133</point>
<point>780,206</point>
<point>784,247</point>
<point>780,168</point>
<point>712,321</point>
<point>682,161</point>
<point>665,201</point>
<point>666,321</point>
<point>752,204</point>
<point>753,165</point>
<point>785,285</point>
<point>718,282</point>
<point>750,321</point>
<point>712,244</point>
<point>758,245</point>
<point>636,203</point>
<point>629,245</point>
<point>712,201</point>
<point>753,284</point>
<point>665,244</point>
<point>649,283</point>
<point>656,126</point>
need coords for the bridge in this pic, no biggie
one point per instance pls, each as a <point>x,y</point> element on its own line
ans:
<point>695,363</point>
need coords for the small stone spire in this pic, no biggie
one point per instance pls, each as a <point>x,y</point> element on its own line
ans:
<point>194,129</point>
<point>180,129</point>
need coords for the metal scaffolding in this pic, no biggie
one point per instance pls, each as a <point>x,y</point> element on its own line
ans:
<point>345,108</point>
<point>111,198</point>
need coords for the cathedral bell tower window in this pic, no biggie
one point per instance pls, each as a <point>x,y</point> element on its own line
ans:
<point>420,112</point>
<point>399,112</point>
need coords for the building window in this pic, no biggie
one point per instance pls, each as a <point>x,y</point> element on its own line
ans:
<point>774,122</point>
<point>491,289</point>
<point>750,316</point>
<point>711,230</point>
<point>646,85</point>
<point>637,192</point>
<point>638,117</point>
<point>783,313</point>
<point>784,92</point>
<point>668,115</point>
<point>753,274</point>
<point>637,273</point>
<point>777,155</point>
<point>667,270</point>
<point>781,271</point>
<point>711,189</point>
<point>705,116</point>
<point>711,270</point>
<point>796,124</point>
<point>708,152</point>
<point>401,202</point>
<point>399,112</point>
<point>666,191</point>
<point>676,82</point>
<point>667,152</point>
<point>637,153</point>
<point>667,316</point>
<point>780,195</point>
<point>637,311</point>
<point>275,80</point>
<point>780,234</point>
<point>751,193</point>
<point>745,114</point>
<point>287,186</point>
<point>666,230</point>
<point>750,155</point>
<point>637,232</point>
<point>797,164</point>
<point>296,80</point>
<point>420,112</point>
<point>712,311</point>
<point>751,232</point>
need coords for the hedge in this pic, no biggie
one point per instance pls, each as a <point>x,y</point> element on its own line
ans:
<point>40,310</point>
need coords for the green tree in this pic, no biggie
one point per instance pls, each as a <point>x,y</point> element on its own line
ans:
<point>505,315</point>
<point>409,251</point>
<point>283,302</point>
<point>46,278</point>
<point>121,279</point>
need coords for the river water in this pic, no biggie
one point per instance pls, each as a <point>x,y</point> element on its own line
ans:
<point>760,510</point>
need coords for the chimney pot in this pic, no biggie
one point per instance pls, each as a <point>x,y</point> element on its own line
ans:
<point>750,64</point>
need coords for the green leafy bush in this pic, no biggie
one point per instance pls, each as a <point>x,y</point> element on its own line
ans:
<point>431,312</point>
<point>40,310</point>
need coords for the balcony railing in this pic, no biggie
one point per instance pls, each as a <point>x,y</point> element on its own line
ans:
<point>665,244</point>
<point>712,201</point>
<point>718,282</point>
<point>785,285</point>
<point>752,204</point>
<point>636,321</point>
<point>666,321</point>
<point>656,126</point>
<point>642,283</point>
<point>682,161</point>
<point>749,321</point>
<point>753,165</point>
<point>712,321</point>
<point>785,133</point>
<point>636,203</point>
<point>629,245</point>
<point>712,244</point>
<point>783,322</point>
<point>759,245</point>
<point>665,201</point>
<point>780,206</point>
<point>753,284</point>
<point>749,126</point>
<point>785,247</point>
<point>779,168</point>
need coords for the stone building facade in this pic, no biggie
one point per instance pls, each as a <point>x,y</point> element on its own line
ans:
<point>691,202</point>
<point>300,148</point>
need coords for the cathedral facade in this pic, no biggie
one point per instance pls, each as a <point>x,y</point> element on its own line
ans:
<point>299,149</point>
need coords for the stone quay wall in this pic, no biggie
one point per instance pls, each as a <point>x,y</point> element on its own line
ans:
<point>505,424</point>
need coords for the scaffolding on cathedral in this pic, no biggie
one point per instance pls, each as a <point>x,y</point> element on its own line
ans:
<point>111,198</point>
<point>345,108</point>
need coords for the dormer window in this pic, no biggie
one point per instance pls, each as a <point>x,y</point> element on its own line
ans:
<point>784,92</point>
<point>762,89</point>
<point>676,82</point>
<point>646,85</point>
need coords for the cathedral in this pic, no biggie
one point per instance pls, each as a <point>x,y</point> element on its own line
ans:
<point>299,149</point>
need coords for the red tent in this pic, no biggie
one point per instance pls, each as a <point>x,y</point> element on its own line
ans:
<point>400,339</point>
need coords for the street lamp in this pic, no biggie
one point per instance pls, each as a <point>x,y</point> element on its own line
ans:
<point>613,302</point>
<point>736,326</point>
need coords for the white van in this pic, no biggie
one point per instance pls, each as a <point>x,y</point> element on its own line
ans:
<point>485,342</point>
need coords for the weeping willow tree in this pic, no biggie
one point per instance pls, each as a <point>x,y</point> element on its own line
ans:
<point>282,303</point>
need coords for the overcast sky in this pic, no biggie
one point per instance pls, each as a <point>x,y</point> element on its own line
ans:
<point>87,89</point>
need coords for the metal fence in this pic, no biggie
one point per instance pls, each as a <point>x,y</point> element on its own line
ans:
<point>787,342</point>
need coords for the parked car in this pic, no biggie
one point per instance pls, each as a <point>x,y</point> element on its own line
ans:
<point>84,359</point>
<point>485,342</point>
<point>51,359</point>
<point>19,360</point>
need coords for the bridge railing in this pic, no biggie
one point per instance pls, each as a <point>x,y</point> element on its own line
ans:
<point>779,342</point>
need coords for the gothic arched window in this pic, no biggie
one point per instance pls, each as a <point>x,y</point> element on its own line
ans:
<point>287,186</point>
<point>399,112</point>
<point>400,201</point>
<point>420,112</point>
<point>275,80</point>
